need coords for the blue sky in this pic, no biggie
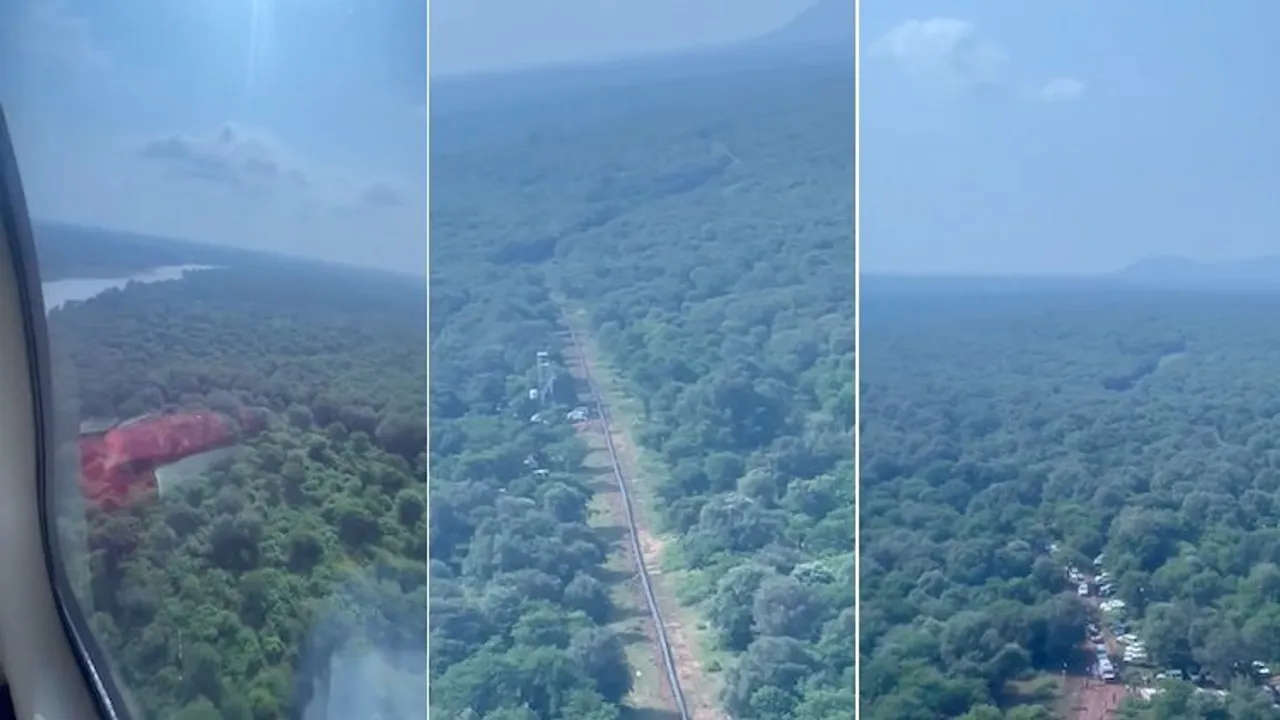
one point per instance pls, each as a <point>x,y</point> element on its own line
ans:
<point>295,126</point>
<point>1067,137</point>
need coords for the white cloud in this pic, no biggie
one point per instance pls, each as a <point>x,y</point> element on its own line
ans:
<point>951,53</point>
<point>1061,89</point>
<point>924,44</point>
<point>96,151</point>
<point>944,50</point>
<point>250,161</point>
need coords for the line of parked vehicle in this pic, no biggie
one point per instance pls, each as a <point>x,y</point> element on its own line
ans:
<point>1116,638</point>
<point>1132,649</point>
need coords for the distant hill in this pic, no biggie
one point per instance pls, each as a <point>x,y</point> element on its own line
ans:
<point>826,22</point>
<point>822,34</point>
<point>877,285</point>
<point>64,250</point>
<point>1186,271</point>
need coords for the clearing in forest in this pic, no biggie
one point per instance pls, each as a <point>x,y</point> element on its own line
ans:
<point>650,699</point>
<point>700,687</point>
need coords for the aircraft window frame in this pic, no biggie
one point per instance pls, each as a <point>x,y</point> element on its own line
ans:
<point>16,226</point>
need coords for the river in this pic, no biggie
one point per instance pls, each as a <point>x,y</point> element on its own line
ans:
<point>60,292</point>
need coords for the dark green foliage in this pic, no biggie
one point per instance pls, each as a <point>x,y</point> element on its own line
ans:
<point>993,426</point>
<point>517,605</point>
<point>705,225</point>
<point>229,596</point>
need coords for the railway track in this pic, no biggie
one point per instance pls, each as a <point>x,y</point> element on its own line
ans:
<point>646,582</point>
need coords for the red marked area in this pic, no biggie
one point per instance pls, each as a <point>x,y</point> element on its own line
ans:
<point>122,461</point>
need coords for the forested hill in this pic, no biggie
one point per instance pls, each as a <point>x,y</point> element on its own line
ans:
<point>1139,424</point>
<point>826,22</point>
<point>705,225</point>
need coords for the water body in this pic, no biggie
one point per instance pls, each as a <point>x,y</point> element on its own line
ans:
<point>58,293</point>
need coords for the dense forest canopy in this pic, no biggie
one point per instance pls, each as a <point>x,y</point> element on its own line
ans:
<point>1000,420</point>
<point>517,600</point>
<point>704,225</point>
<point>276,578</point>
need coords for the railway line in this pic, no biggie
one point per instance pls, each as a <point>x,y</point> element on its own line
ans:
<point>624,490</point>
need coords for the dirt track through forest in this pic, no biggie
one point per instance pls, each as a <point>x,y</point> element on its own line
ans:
<point>672,643</point>
<point>1097,700</point>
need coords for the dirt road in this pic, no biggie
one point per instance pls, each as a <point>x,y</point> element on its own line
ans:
<point>699,695</point>
<point>650,698</point>
<point>1098,700</point>
<point>1095,699</point>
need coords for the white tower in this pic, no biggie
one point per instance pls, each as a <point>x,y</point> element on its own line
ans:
<point>546,376</point>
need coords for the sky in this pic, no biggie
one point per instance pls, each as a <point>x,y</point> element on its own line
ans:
<point>471,36</point>
<point>292,126</point>
<point>1067,137</point>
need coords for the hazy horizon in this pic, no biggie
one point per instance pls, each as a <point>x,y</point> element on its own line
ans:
<point>116,234</point>
<point>482,37</point>
<point>292,129</point>
<point>1065,274</point>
